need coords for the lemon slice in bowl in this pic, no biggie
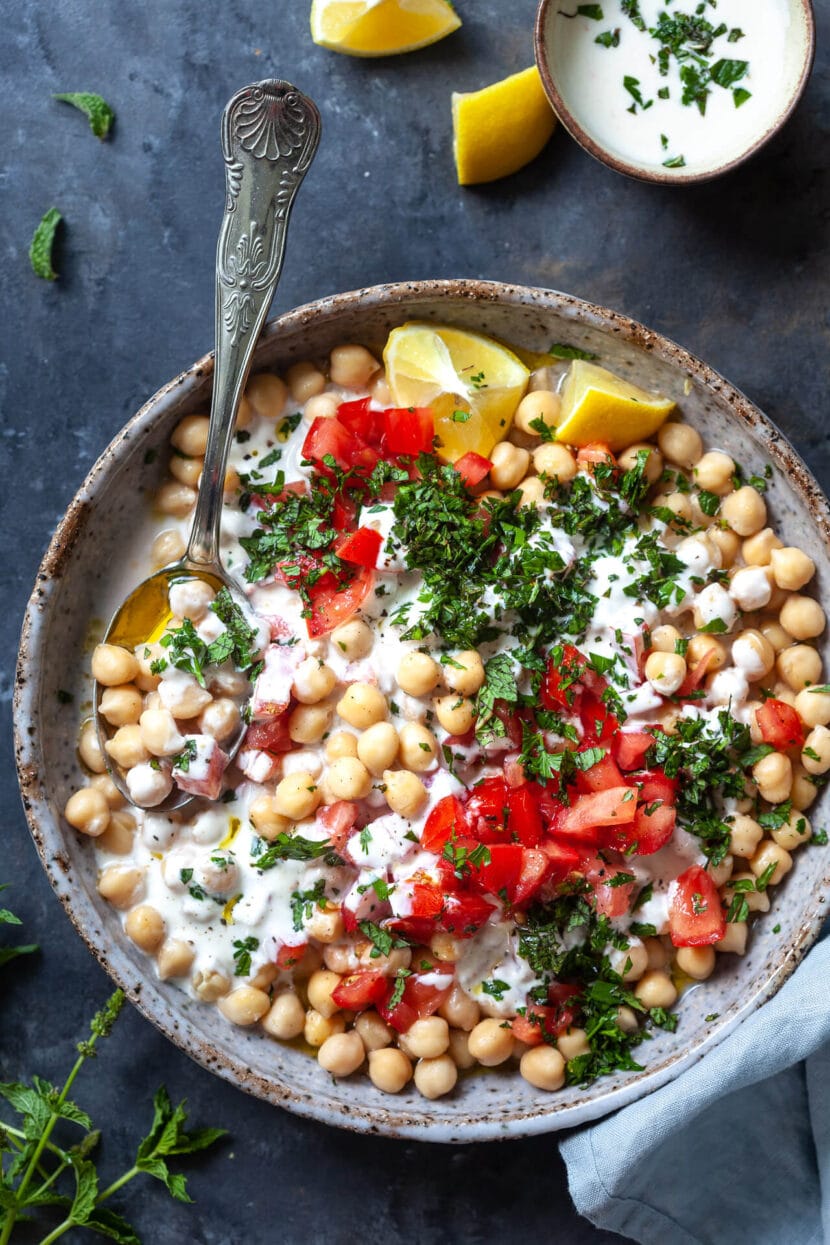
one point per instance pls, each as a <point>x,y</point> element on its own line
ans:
<point>597,405</point>
<point>501,128</point>
<point>472,383</point>
<point>380,27</point>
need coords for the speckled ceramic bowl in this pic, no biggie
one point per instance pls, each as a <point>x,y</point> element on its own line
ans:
<point>102,531</point>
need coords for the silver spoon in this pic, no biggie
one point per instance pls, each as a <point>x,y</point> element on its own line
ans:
<point>270,133</point>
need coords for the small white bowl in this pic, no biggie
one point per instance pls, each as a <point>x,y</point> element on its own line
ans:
<point>560,48</point>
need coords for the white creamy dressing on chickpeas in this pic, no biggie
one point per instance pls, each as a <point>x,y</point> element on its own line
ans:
<point>615,90</point>
<point>201,869</point>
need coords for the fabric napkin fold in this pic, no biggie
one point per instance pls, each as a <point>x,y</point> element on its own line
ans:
<point>737,1148</point>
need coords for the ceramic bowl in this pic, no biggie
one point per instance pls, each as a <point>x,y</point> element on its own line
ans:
<point>99,550</point>
<point>569,92</point>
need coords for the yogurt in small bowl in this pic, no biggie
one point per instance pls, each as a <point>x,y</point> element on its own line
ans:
<point>674,94</point>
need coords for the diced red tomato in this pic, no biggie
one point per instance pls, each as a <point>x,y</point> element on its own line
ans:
<point>629,748</point>
<point>338,821</point>
<point>609,900</point>
<point>615,806</point>
<point>264,501</point>
<point>333,603</point>
<point>548,1020</point>
<point>696,916</point>
<point>562,861</point>
<point>343,512</point>
<point>697,674</point>
<point>446,820</point>
<point>598,723</point>
<point>596,452</point>
<point>510,720</point>
<point>780,725</point>
<point>270,736</point>
<point>514,772</point>
<point>536,866</point>
<point>463,914</point>
<point>500,875</point>
<point>487,811</point>
<point>288,956</point>
<point>358,417</point>
<point>328,436</point>
<point>294,571</point>
<point>408,430</point>
<point>423,994</point>
<point>650,830</point>
<point>472,468</point>
<point>524,818</point>
<point>560,686</point>
<point>604,774</point>
<point>361,547</point>
<point>361,990</point>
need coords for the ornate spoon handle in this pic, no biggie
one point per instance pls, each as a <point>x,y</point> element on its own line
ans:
<point>270,132</point>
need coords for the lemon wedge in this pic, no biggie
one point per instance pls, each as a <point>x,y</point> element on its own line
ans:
<point>599,406</point>
<point>501,128</point>
<point>472,383</point>
<point>380,27</point>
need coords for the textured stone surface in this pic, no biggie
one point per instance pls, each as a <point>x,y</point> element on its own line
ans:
<point>736,270</point>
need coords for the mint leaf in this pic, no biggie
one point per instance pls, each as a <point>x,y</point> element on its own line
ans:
<point>96,109</point>
<point>86,1190</point>
<point>40,248</point>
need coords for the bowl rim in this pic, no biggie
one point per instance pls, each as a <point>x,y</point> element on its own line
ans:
<point>641,172</point>
<point>49,836</point>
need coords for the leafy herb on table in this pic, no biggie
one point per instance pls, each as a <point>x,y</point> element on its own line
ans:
<point>39,1171</point>
<point>11,953</point>
<point>40,248</point>
<point>94,108</point>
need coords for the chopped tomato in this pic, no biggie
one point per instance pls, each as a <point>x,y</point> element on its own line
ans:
<point>472,468</point>
<point>333,603</point>
<point>697,674</point>
<point>562,861</point>
<point>361,547</point>
<point>560,686</point>
<point>295,570</point>
<point>536,865</point>
<point>514,772</point>
<point>650,830</point>
<point>598,723</point>
<point>338,821</point>
<point>270,736</point>
<point>445,821</point>
<point>609,900</point>
<point>423,994</point>
<point>780,725</point>
<point>595,452</point>
<point>288,956</point>
<point>264,501</point>
<point>487,811</point>
<point>361,420</point>
<point>463,914</point>
<point>510,720</point>
<point>426,906</point>
<point>629,748</point>
<point>524,818</point>
<point>605,773</point>
<point>696,917</point>
<point>543,1021</point>
<point>361,990</point>
<point>408,430</point>
<point>613,807</point>
<point>343,512</point>
<point>500,875</point>
<point>328,436</point>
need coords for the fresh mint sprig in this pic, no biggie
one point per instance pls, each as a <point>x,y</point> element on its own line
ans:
<point>94,108</point>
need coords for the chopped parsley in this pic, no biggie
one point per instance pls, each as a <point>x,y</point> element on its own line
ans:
<point>242,949</point>
<point>303,903</point>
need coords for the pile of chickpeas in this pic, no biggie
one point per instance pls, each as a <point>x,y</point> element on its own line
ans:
<point>346,744</point>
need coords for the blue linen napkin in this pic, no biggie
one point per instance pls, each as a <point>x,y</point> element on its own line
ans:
<point>737,1149</point>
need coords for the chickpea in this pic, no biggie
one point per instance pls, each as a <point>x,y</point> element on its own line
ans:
<point>362,705</point>
<point>313,681</point>
<point>378,746</point>
<point>307,724</point>
<point>113,666</point>
<point>264,977</point>
<point>665,638</point>
<point>757,550</point>
<point>127,747</point>
<point>326,925</point>
<point>791,568</point>
<point>696,962</point>
<point>776,635</point>
<point>374,1032</point>
<point>744,510</point>
<point>121,885</point>
<point>554,461</point>
<point>436,1077</point>
<point>680,444</point>
<point>713,472</point>
<point>455,713</point>
<point>118,836</point>
<point>145,926</point>
<point>354,639</point>
<point>167,547</point>
<point>186,470</point>
<point>348,779</point>
<point>539,404</point>
<point>489,1043</point>
<point>804,791</point>
<point>773,775</point>
<point>770,853</point>
<point>799,666</point>
<point>510,465</point>
<point>782,692</point>
<point>89,748</point>
<point>175,499</point>
<point>543,1067</point>
<point>751,587</point>
<point>318,1028</point>
<point>380,391</point>
<point>321,406</point>
<point>744,836</point>
<point>802,617</point>
<point>680,505</point>
<point>266,394</point>
<point>756,901</point>
<point>88,811</point>
<point>320,987</point>
<point>459,1049</point>
<point>210,985</point>
<point>701,645</point>
<point>174,959</point>
<point>796,831</point>
<point>244,1006</point>
<point>627,1020</point>
<point>815,756</point>
<point>404,791</point>
<point>285,1018</point>
<point>727,544</point>
<point>417,674</point>
<point>459,1010</point>
<point>657,954</point>
<point>637,959</point>
<point>340,959</point>
<point>532,491</point>
<point>665,672</point>
<point>654,462</point>
<point>389,1069</point>
<point>184,698</point>
<point>464,673</point>
<point>721,873</point>
<point>352,366</point>
<point>656,989</point>
<point>304,381</point>
<point>342,1053</point>
<point>734,940</point>
<point>121,705</point>
<point>190,435</point>
<point>813,707</point>
<point>145,680</point>
<point>341,744</point>
<point>572,1043</point>
<point>297,796</point>
<point>232,482</point>
<point>221,719</point>
<point>753,653</point>
<point>267,822</point>
<point>427,1038</point>
<point>418,747</point>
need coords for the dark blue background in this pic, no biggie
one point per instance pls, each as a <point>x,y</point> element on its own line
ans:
<point>736,270</point>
